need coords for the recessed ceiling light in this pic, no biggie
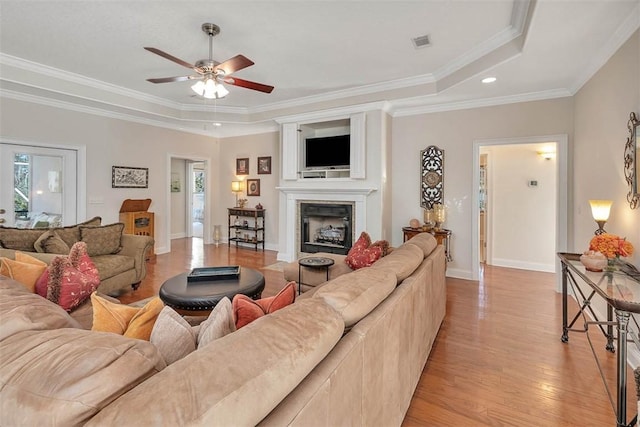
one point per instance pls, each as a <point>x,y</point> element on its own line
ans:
<point>489,80</point>
<point>217,124</point>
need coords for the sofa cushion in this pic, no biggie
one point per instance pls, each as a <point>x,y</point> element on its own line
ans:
<point>425,241</point>
<point>354,295</point>
<point>19,239</point>
<point>69,281</point>
<point>21,310</point>
<point>121,319</point>
<point>102,239</point>
<point>112,265</point>
<point>25,269</point>
<point>50,242</point>
<point>65,376</point>
<point>403,261</point>
<point>246,310</point>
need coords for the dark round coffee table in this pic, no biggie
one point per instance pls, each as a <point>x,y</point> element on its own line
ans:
<point>180,294</point>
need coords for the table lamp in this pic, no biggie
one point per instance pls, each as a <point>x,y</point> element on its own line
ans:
<point>600,210</point>
<point>236,187</point>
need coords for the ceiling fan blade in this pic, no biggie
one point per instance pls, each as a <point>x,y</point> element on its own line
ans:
<point>248,84</point>
<point>174,79</point>
<point>234,64</point>
<point>172,58</point>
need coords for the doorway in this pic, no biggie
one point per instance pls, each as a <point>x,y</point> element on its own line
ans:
<point>39,186</point>
<point>520,225</point>
<point>195,207</point>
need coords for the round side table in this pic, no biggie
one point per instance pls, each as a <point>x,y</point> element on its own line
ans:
<point>315,262</point>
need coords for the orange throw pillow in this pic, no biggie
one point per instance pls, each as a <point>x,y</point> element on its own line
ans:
<point>246,310</point>
<point>24,269</point>
<point>122,319</point>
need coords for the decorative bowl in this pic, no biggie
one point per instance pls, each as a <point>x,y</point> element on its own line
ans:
<point>593,261</point>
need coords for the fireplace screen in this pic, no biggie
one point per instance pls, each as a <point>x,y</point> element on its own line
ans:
<point>325,227</point>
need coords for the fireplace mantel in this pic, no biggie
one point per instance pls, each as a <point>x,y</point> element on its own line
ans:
<point>289,221</point>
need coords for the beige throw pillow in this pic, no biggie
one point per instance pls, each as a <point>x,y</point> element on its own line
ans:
<point>219,323</point>
<point>173,336</point>
<point>102,240</point>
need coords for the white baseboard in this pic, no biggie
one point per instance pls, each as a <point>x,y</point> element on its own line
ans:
<point>179,235</point>
<point>523,265</point>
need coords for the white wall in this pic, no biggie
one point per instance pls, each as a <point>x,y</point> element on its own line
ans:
<point>523,217</point>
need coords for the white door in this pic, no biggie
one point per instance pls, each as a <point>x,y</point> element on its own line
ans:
<point>36,180</point>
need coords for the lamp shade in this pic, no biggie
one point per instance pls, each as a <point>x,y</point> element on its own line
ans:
<point>600,209</point>
<point>236,186</point>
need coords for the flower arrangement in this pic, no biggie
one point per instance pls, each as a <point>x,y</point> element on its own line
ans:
<point>611,246</point>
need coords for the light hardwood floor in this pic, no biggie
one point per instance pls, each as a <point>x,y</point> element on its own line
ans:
<point>497,361</point>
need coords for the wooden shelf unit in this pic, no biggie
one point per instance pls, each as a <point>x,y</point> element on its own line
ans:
<point>253,233</point>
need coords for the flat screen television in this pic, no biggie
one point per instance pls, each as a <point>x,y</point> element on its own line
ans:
<point>327,152</point>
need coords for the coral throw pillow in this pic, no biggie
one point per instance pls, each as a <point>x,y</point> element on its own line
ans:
<point>363,253</point>
<point>122,319</point>
<point>69,281</point>
<point>24,269</point>
<point>246,310</point>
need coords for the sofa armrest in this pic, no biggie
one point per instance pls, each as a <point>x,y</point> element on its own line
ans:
<point>136,246</point>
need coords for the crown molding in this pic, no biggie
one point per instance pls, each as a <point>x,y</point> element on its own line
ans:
<point>416,109</point>
<point>334,113</point>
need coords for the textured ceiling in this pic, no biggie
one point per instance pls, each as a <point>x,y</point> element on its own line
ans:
<point>317,54</point>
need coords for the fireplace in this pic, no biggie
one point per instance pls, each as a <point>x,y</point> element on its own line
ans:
<point>326,227</point>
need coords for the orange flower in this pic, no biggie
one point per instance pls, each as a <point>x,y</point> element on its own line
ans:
<point>611,245</point>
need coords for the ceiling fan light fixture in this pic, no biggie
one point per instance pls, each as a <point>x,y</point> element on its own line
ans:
<point>210,89</point>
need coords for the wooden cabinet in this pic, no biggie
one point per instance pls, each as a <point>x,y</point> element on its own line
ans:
<point>137,220</point>
<point>246,226</point>
<point>442,236</point>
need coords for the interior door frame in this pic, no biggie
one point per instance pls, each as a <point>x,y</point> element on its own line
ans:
<point>207,238</point>
<point>562,194</point>
<point>81,168</point>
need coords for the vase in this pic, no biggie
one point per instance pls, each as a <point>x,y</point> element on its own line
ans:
<point>216,235</point>
<point>612,264</point>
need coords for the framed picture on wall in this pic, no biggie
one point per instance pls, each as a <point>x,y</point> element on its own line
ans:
<point>129,177</point>
<point>264,165</point>
<point>253,187</point>
<point>242,166</point>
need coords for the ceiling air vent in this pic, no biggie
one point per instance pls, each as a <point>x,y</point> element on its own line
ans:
<point>421,41</point>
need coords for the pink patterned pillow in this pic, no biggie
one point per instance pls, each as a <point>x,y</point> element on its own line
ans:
<point>69,281</point>
<point>362,253</point>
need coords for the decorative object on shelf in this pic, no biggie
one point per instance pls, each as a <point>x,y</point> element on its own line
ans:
<point>593,260</point>
<point>217,234</point>
<point>264,165</point>
<point>129,177</point>
<point>432,176</point>
<point>259,206</point>
<point>612,247</point>
<point>439,215</point>
<point>600,210</point>
<point>429,222</point>
<point>242,166</point>
<point>242,203</point>
<point>414,223</point>
<point>253,187</point>
<point>236,187</point>
<point>632,161</point>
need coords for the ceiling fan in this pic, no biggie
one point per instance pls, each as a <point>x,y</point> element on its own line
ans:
<point>211,74</point>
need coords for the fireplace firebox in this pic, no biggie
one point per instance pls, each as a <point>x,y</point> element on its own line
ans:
<point>326,227</point>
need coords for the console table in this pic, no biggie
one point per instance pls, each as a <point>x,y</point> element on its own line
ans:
<point>248,231</point>
<point>621,291</point>
<point>443,237</point>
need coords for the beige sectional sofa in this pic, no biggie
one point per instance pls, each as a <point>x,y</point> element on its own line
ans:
<point>349,352</point>
<point>118,272</point>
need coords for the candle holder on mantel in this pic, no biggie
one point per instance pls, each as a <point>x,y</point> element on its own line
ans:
<point>429,222</point>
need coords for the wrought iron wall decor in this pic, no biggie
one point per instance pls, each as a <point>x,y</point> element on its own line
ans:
<point>432,176</point>
<point>632,162</point>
